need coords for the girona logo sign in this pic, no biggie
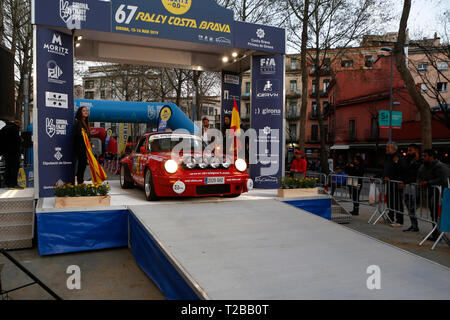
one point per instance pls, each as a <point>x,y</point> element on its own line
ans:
<point>177,7</point>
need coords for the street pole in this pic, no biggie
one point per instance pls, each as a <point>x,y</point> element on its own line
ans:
<point>390,102</point>
<point>26,103</point>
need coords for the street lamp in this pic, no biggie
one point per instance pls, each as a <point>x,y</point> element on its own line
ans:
<point>390,96</point>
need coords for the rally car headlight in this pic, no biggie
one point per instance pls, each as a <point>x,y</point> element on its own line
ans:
<point>226,165</point>
<point>171,166</point>
<point>240,165</point>
<point>203,165</point>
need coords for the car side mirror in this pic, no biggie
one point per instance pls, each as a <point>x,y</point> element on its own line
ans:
<point>142,149</point>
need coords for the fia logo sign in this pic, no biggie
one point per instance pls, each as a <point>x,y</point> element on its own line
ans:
<point>268,66</point>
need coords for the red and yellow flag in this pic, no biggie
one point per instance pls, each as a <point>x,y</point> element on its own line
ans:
<point>235,128</point>
<point>235,120</point>
<point>97,173</point>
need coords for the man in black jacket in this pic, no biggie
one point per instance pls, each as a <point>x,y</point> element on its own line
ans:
<point>413,163</point>
<point>393,173</point>
<point>432,176</point>
<point>11,150</point>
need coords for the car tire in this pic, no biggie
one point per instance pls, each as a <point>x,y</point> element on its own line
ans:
<point>149,188</point>
<point>125,178</point>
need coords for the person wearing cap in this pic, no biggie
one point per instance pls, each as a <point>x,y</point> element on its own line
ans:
<point>298,167</point>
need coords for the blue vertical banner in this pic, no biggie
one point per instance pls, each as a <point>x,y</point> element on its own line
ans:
<point>231,89</point>
<point>267,119</point>
<point>55,110</point>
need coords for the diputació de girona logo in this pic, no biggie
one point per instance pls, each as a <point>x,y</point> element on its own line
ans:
<point>177,7</point>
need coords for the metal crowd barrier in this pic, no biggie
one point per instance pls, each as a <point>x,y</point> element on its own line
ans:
<point>410,200</point>
<point>322,179</point>
<point>356,190</point>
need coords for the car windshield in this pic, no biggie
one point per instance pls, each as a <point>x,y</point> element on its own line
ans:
<point>165,143</point>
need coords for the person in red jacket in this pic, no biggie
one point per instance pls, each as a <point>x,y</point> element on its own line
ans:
<point>298,167</point>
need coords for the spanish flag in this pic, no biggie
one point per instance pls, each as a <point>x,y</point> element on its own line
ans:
<point>235,128</point>
<point>235,120</point>
<point>97,173</point>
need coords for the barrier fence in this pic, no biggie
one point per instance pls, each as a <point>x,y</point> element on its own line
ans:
<point>391,200</point>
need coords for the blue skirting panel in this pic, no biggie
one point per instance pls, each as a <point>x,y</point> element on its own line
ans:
<point>320,207</point>
<point>155,264</point>
<point>63,232</point>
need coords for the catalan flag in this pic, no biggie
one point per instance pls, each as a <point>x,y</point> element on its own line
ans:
<point>97,173</point>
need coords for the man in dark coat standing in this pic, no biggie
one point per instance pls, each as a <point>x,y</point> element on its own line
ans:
<point>393,173</point>
<point>11,151</point>
<point>433,176</point>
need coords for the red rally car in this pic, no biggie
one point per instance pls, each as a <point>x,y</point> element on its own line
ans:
<point>158,165</point>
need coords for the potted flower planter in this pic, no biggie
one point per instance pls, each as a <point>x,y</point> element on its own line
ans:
<point>77,202</point>
<point>298,192</point>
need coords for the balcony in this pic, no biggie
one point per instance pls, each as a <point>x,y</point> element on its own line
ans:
<point>246,96</point>
<point>292,138</point>
<point>322,94</point>
<point>293,94</point>
<point>322,72</point>
<point>292,116</point>
<point>245,118</point>
<point>312,139</point>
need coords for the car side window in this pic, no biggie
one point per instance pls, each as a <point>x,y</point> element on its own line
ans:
<point>140,144</point>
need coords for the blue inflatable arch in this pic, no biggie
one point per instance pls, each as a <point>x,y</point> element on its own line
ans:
<point>135,112</point>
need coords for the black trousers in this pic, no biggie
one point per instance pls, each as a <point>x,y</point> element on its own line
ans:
<point>355,193</point>
<point>80,167</point>
<point>395,202</point>
<point>12,164</point>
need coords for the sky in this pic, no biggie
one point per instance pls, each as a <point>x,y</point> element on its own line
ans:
<point>425,17</point>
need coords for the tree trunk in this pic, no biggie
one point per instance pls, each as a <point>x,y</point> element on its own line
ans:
<point>304,105</point>
<point>420,102</point>
<point>2,15</point>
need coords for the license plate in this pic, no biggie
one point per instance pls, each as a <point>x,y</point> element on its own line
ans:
<point>215,180</point>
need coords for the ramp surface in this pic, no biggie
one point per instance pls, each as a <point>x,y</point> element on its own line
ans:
<point>265,249</point>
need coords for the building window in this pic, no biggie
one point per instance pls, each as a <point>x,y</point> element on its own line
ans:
<point>326,107</point>
<point>211,111</point>
<point>293,85</point>
<point>247,110</point>
<point>314,108</point>
<point>326,83</point>
<point>294,64</point>
<point>347,63</point>
<point>205,111</point>
<point>293,131</point>
<point>442,86</point>
<point>352,129</point>
<point>314,85</point>
<point>103,94</point>
<point>293,109</point>
<point>422,67</point>
<point>89,95</point>
<point>368,61</point>
<point>89,84</point>
<point>247,87</point>
<point>374,128</point>
<point>102,83</point>
<point>314,132</point>
<point>442,66</point>
<point>423,87</point>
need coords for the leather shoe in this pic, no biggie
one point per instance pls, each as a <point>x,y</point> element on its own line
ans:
<point>412,229</point>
